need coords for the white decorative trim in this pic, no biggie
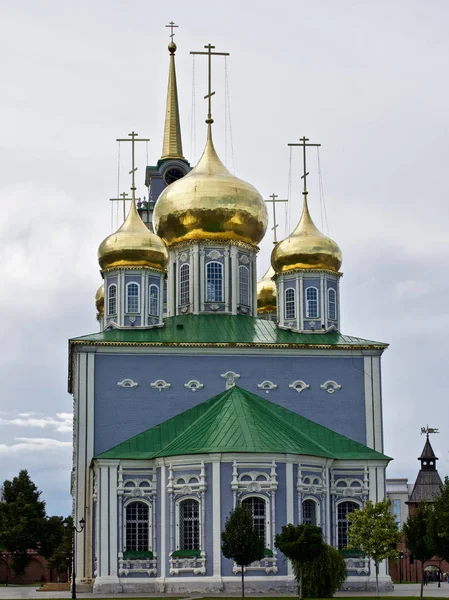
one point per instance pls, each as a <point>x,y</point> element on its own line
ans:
<point>244,259</point>
<point>299,385</point>
<point>330,386</point>
<point>230,378</point>
<point>194,385</point>
<point>160,384</point>
<point>214,254</point>
<point>267,385</point>
<point>127,383</point>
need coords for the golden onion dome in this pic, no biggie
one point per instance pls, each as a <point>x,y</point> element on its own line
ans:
<point>99,300</point>
<point>133,245</point>
<point>210,203</point>
<point>306,248</point>
<point>266,293</point>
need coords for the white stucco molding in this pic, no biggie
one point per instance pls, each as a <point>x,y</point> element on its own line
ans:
<point>127,383</point>
<point>330,386</point>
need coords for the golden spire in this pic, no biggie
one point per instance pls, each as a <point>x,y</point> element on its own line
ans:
<point>172,147</point>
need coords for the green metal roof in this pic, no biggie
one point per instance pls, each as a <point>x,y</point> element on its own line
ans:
<point>238,421</point>
<point>229,330</point>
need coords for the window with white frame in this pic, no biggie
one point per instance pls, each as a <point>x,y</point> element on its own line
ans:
<point>332,304</point>
<point>290,304</point>
<point>258,508</point>
<point>132,297</point>
<point>153,302</point>
<point>214,282</point>
<point>189,524</point>
<point>243,285</point>
<point>184,284</point>
<point>112,299</point>
<point>312,303</point>
<point>137,527</point>
<point>309,512</point>
<point>344,509</point>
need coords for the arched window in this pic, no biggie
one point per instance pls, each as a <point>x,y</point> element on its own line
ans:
<point>189,525</point>
<point>343,509</point>
<point>214,282</point>
<point>309,512</point>
<point>243,285</point>
<point>258,509</point>
<point>153,303</point>
<point>290,304</point>
<point>332,304</point>
<point>112,299</point>
<point>132,298</point>
<point>137,527</point>
<point>312,303</point>
<point>184,284</point>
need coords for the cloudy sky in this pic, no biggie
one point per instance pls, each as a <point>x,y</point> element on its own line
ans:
<point>368,80</point>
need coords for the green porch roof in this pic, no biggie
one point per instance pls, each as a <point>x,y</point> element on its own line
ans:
<point>228,330</point>
<point>238,421</point>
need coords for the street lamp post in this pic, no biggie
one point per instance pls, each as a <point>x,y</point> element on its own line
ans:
<point>74,532</point>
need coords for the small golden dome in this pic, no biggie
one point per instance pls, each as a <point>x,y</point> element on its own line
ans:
<point>99,300</point>
<point>210,203</point>
<point>266,293</point>
<point>306,248</point>
<point>133,245</point>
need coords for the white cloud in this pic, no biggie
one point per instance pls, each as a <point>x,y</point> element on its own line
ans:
<point>63,422</point>
<point>25,445</point>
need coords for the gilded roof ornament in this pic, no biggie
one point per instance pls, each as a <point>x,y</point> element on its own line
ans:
<point>172,145</point>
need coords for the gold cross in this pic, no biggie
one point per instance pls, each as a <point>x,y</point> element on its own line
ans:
<point>172,26</point>
<point>210,93</point>
<point>133,136</point>
<point>122,199</point>
<point>304,146</point>
<point>275,225</point>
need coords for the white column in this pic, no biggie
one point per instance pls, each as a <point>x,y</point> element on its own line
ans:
<point>301,301</point>
<point>195,280</point>
<point>328,508</point>
<point>253,290</point>
<point>289,508</point>
<point>176,293</point>
<point>298,304</point>
<point>227,276</point>
<point>144,295</point>
<point>103,518</point>
<point>191,280</point>
<point>234,279</point>
<point>281,299</point>
<point>322,299</point>
<point>163,523</point>
<point>161,298</point>
<point>216,517</point>
<point>337,286</point>
<point>113,519</point>
<point>201,276</point>
<point>170,285</point>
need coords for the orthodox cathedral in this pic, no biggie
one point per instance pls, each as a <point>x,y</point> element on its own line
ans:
<point>204,388</point>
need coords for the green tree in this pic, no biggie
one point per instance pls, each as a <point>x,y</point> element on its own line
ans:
<point>56,544</point>
<point>241,541</point>
<point>22,519</point>
<point>373,531</point>
<point>324,575</point>
<point>419,538</point>
<point>440,522</point>
<point>301,544</point>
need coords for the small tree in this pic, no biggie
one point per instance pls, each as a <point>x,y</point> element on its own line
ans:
<point>56,544</point>
<point>22,520</point>
<point>440,522</point>
<point>241,541</point>
<point>324,575</point>
<point>373,531</point>
<point>301,544</point>
<point>419,538</point>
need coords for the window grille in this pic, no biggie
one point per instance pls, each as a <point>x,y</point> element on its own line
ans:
<point>112,299</point>
<point>189,525</point>
<point>343,509</point>
<point>258,510</point>
<point>137,527</point>
<point>214,282</point>
<point>184,284</point>
<point>332,304</point>
<point>132,298</point>
<point>290,304</point>
<point>243,285</point>
<point>312,302</point>
<point>309,512</point>
<point>153,306</point>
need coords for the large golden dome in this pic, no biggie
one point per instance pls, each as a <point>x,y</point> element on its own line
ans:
<point>210,203</point>
<point>306,248</point>
<point>133,245</point>
<point>99,300</point>
<point>266,293</point>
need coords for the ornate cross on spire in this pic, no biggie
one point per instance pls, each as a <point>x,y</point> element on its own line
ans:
<point>274,200</point>
<point>304,145</point>
<point>122,199</point>
<point>210,93</point>
<point>133,135</point>
<point>172,26</point>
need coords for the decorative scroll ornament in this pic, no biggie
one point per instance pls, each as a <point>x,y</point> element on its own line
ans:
<point>299,386</point>
<point>267,385</point>
<point>127,383</point>
<point>244,259</point>
<point>330,386</point>
<point>160,384</point>
<point>183,257</point>
<point>214,306</point>
<point>214,255</point>
<point>193,385</point>
<point>230,378</point>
